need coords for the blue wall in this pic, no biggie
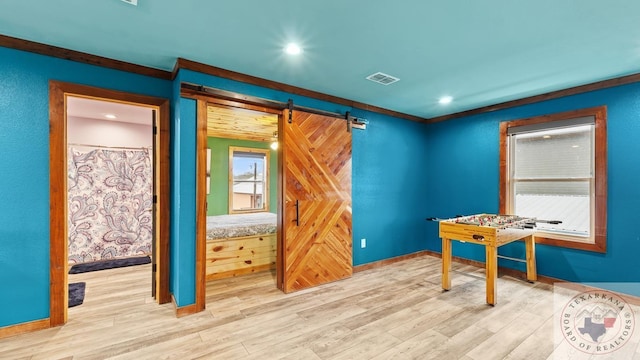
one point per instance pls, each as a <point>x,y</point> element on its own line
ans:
<point>462,155</point>
<point>388,196</point>
<point>183,199</point>
<point>389,188</point>
<point>24,160</point>
<point>402,172</point>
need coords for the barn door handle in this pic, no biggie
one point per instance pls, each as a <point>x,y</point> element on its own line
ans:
<point>297,213</point>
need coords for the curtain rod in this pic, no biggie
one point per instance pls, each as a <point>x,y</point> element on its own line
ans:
<point>111,147</point>
<point>254,100</point>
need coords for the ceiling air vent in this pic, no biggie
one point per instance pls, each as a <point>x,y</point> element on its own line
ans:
<point>382,78</point>
<point>132,2</point>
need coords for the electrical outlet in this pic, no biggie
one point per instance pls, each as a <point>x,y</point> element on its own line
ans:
<point>363,243</point>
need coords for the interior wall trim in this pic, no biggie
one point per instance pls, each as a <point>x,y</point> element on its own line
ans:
<point>181,63</point>
<point>66,54</point>
<point>253,80</point>
<point>599,85</point>
<point>22,328</point>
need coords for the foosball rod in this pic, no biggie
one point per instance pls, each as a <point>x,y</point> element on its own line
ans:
<point>552,222</point>
<point>511,258</point>
<point>440,219</point>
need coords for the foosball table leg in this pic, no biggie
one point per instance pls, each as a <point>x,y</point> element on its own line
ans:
<point>446,263</point>
<point>492,273</point>
<point>530,249</point>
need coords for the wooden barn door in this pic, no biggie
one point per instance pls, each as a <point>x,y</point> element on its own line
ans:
<point>317,243</point>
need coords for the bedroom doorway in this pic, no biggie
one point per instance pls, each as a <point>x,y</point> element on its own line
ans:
<point>314,218</point>
<point>241,189</point>
<point>109,184</point>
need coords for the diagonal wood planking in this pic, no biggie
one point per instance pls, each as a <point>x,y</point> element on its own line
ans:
<point>317,157</point>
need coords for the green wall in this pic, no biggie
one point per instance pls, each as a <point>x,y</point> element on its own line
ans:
<point>218,198</point>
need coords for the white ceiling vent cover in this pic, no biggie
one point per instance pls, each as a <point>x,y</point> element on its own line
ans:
<point>382,78</point>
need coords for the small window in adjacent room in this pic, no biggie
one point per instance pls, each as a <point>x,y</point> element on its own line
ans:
<point>248,179</point>
<point>554,168</point>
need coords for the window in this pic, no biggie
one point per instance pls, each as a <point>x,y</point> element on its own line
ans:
<point>554,168</point>
<point>248,174</point>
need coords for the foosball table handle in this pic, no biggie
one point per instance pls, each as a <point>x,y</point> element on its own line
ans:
<point>552,222</point>
<point>439,219</point>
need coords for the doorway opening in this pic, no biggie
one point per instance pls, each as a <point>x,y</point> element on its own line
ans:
<point>109,186</point>
<point>242,190</point>
<point>314,220</point>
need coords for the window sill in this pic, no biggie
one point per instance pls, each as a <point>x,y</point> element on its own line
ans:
<point>547,239</point>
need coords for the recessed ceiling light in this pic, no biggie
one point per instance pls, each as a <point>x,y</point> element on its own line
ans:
<point>547,137</point>
<point>292,49</point>
<point>445,100</point>
<point>575,146</point>
<point>110,116</point>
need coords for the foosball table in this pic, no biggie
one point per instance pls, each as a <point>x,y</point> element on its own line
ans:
<point>491,231</point>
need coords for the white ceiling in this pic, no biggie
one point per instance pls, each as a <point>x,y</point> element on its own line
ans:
<point>97,109</point>
<point>479,52</point>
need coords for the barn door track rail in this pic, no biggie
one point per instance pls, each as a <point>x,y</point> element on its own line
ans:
<point>352,121</point>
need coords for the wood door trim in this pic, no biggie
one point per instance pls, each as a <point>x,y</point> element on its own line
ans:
<point>212,100</point>
<point>280,204</point>
<point>201,206</point>
<point>201,142</point>
<point>163,153</point>
<point>58,227</point>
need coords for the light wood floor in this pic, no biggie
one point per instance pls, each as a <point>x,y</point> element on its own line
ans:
<point>393,312</point>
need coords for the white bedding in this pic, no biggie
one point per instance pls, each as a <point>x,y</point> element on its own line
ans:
<point>237,225</point>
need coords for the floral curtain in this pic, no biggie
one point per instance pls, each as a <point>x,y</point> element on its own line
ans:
<point>110,204</point>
